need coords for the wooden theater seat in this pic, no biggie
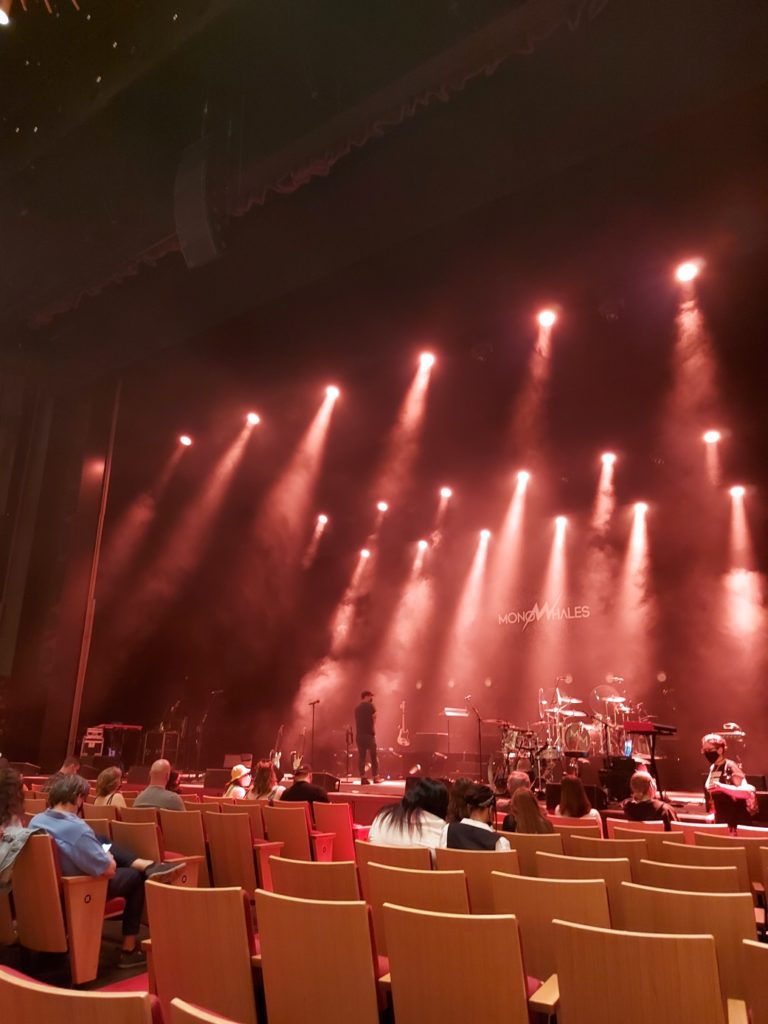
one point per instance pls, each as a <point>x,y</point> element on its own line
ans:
<point>290,826</point>
<point>654,841</point>
<point>750,843</point>
<point>315,880</point>
<point>56,914</point>
<point>687,877</point>
<point>335,980</point>
<point>139,814</point>
<point>536,902</point>
<point>611,824</point>
<point>185,1013</point>
<point>710,857</point>
<point>612,871</point>
<point>634,850</point>
<point>528,846</point>
<point>418,858</point>
<point>144,839</point>
<point>728,917</point>
<point>203,949</point>
<point>566,830</point>
<point>443,891</point>
<point>605,976</point>
<point>755,960</point>
<point>100,812</point>
<point>183,833</point>
<point>690,828</point>
<point>253,809</point>
<point>236,857</point>
<point>25,1001</point>
<point>478,867</point>
<point>337,819</point>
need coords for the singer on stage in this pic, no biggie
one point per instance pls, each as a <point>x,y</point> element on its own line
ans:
<point>365,730</point>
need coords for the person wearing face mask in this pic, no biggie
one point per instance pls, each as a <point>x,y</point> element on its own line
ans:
<point>727,790</point>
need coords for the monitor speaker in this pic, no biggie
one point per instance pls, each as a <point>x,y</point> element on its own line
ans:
<point>330,783</point>
<point>215,781</point>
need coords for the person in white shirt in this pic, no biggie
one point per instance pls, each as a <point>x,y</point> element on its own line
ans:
<point>418,820</point>
<point>476,831</point>
<point>574,802</point>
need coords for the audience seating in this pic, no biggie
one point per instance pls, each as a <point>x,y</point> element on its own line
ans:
<point>751,844</point>
<point>202,949</point>
<point>183,833</point>
<point>185,1013</point>
<point>710,857</point>
<point>236,857</point>
<point>102,811</point>
<point>612,871</point>
<point>653,840</point>
<point>485,981</point>
<point>25,1001</point>
<point>605,976</point>
<point>365,806</point>
<point>336,818</point>
<point>253,809</point>
<point>102,826</point>
<point>728,917</point>
<point>478,867</point>
<point>33,806</point>
<point>535,902</point>
<point>7,929</point>
<point>634,850</point>
<point>566,831</point>
<point>418,858</point>
<point>755,959</point>
<point>529,846</point>
<point>144,840</point>
<point>59,915</point>
<point>444,891</point>
<point>315,880</point>
<point>687,877</point>
<point>611,824</point>
<point>289,825</point>
<point>130,798</point>
<point>138,814</point>
<point>334,965</point>
<point>690,828</point>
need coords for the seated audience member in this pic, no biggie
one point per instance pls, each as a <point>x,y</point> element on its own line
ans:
<point>516,780</point>
<point>107,786</point>
<point>265,786</point>
<point>13,835</point>
<point>417,820</point>
<point>69,766</point>
<point>527,813</point>
<point>574,802</point>
<point>643,804</point>
<point>476,830</point>
<point>302,788</point>
<point>157,794</point>
<point>82,852</point>
<point>239,785</point>
<point>727,791</point>
<point>457,808</point>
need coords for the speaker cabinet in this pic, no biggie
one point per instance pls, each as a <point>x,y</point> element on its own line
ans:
<point>330,783</point>
<point>215,781</point>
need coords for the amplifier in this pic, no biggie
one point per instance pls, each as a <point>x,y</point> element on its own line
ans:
<point>330,783</point>
<point>215,781</point>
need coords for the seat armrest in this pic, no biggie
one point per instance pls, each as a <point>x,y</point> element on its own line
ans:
<point>546,999</point>
<point>263,849</point>
<point>146,946</point>
<point>361,831</point>
<point>322,845</point>
<point>737,1012</point>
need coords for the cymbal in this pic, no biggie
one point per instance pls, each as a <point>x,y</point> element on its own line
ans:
<point>498,721</point>
<point>573,714</point>
<point>570,700</point>
<point>612,700</point>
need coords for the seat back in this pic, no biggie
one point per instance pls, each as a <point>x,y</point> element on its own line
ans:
<point>142,838</point>
<point>139,814</point>
<point>687,878</point>
<point>34,805</point>
<point>710,857</point>
<point>102,827</point>
<point>337,976</point>
<point>755,956</point>
<point>529,845</point>
<point>315,880</point>
<point>288,825</point>
<point>337,818</point>
<point>478,867</point>
<point>231,848</point>
<point>444,891</point>
<point>663,978</point>
<point>183,833</point>
<point>690,828</point>
<point>634,850</point>
<point>253,809</point>
<point>24,1000</point>
<point>418,858</point>
<point>728,917</point>
<point>653,840</point>
<point>183,1012</point>
<point>36,896</point>
<point>536,902</point>
<point>201,948</point>
<point>490,956</point>
<point>565,830</point>
<point>750,844</point>
<point>613,872</point>
<point>100,811</point>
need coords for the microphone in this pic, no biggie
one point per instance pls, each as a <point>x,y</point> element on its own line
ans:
<point>312,702</point>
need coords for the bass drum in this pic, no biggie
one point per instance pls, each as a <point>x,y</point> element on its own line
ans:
<point>577,738</point>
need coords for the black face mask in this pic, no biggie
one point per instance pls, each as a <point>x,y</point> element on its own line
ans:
<point>712,755</point>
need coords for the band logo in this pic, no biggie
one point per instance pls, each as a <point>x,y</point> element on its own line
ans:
<point>554,612</point>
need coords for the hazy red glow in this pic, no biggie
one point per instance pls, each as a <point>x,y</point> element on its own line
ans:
<point>741,556</point>
<point>688,271</point>
<point>549,648</point>
<point>712,452</point>
<point>186,440</point>
<point>527,421</point>
<point>463,637</point>
<point>317,534</point>
<point>635,610</point>
<point>605,498</point>
<point>505,567</point>
<point>712,436</point>
<point>547,318</point>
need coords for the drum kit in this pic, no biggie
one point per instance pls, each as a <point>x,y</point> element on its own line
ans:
<point>565,732</point>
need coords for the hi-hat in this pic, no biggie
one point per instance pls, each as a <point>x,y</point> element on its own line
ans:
<point>573,714</point>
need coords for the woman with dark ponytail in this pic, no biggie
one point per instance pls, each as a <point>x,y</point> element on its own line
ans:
<point>418,820</point>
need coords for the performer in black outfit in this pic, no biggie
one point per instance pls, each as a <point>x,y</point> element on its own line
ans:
<point>728,793</point>
<point>365,730</point>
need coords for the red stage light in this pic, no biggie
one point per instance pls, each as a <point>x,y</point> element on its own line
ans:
<point>322,519</point>
<point>423,545</point>
<point>547,318</point>
<point>446,492</point>
<point>738,491</point>
<point>712,436</point>
<point>186,440</point>
<point>365,553</point>
<point>608,458</point>
<point>485,534</point>
<point>253,418</point>
<point>523,476</point>
<point>688,271</point>
<point>332,391</point>
<point>560,522</point>
<point>382,506</point>
<point>427,360</point>
<point>640,508</point>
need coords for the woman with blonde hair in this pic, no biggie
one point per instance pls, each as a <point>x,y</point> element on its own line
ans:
<point>107,785</point>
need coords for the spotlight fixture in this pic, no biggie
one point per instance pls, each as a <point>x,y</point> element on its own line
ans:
<point>640,508</point>
<point>688,271</point>
<point>5,12</point>
<point>446,492</point>
<point>547,318</point>
<point>523,476</point>
<point>712,436</point>
<point>485,534</point>
<point>322,519</point>
<point>608,458</point>
<point>253,418</point>
<point>423,545</point>
<point>737,492</point>
<point>560,522</point>
<point>382,506</point>
<point>186,440</point>
<point>332,392</point>
<point>426,360</point>
<point>365,553</point>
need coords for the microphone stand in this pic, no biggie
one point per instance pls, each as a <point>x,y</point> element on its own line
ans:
<point>313,704</point>
<point>479,742</point>
<point>201,728</point>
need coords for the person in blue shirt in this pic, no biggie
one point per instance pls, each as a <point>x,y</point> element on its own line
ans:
<point>82,852</point>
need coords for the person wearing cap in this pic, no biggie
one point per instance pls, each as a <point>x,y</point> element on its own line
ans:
<point>239,784</point>
<point>475,831</point>
<point>302,788</point>
<point>365,734</point>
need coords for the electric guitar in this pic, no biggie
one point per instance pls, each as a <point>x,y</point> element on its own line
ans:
<point>276,753</point>
<point>403,737</point>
